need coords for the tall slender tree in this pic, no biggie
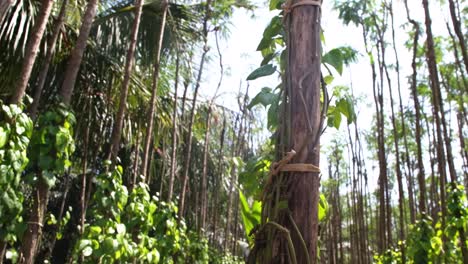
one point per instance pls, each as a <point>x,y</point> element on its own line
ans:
<point>118,125</point>
<point>32,50</point>
<point>33,233</point>
<point>154,93</point>
<point>48,59</point>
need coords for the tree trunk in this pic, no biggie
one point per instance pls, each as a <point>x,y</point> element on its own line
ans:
<point>204,196</point>
<point>32,49</point>
<point>417,108</point>
<point>436,102</point>
<point>48,59</point>
<point>154,89</point>
<point>3,247</point>
<point>458,31</point>
<point>174,132</point>
<point>33,234</point>
<point>218,179</point>
<point>409,174</point>
<point>76,57</point>
<point>303,63</point>
<point>185,176</point>
<point>118,125</point>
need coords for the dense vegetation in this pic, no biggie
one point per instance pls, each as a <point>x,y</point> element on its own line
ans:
<point>108,153</point>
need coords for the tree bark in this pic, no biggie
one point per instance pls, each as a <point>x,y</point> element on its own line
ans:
<point>118,125</point>
<point>204,197</point>
<point>174,132</point>
<point>48,59</point>
<point>32,49</point>
<point>74,62</point>
<point>154,89</point>
<point>435,87</point>
<point>33,234</point>
<point>417,108</point>
<point>303,63</point>
<point>218,179</point>
<point>458,31</point>
<point>188,154</point>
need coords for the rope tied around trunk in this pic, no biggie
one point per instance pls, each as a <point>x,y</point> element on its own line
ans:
<point>289,6</point>
<point>283,165</point>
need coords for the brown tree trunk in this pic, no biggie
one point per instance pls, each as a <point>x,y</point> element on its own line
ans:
<point>154,90</point>
<point>32,49</point>
<point>76,57</point>
<point>303,63</point>
<point>436,102</point>
<point>3,247</point>
<point>32,236</point>
<point>204,197</point>
<point>174,132</point>
<point>417,108</point>
<point>409,174</point>
<point>118,125</point>
<point>458,31</point>
<point>218,178</point>
<point>401,195</point>
<point>48,59</point>
<point>185,176</point>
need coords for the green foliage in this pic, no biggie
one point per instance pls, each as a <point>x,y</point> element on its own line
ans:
<point>15,133</point>
<point>123,227</point>
<point>52,144</point>
<point>265,70</point>
<point>344,105</point>
<point>251,215</point>
<point>340,56</point>
<point>389,257</point>
<point>322,207</point>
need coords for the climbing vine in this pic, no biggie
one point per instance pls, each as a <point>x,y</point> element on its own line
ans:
<point>15,133</point>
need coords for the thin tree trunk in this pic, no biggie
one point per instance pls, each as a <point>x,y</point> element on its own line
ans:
<point>74,62</point>
<point>204,197</point>
<point>48,59</point>
<point>436,102</point>
<point>188,154</point>
<point>401,196</point>
<point>227,229</point>
<point>218,179</point>
<point>154,89</point>
<point>458,31</point>
<point>417,108</point>
<point>174,133</point>
<point>409,175</point>
<point>3,247</point>
<point>118,125</point>
<point>32,49</point>
<point>33,233</point>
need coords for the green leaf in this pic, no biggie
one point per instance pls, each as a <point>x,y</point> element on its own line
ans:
<point>272,121</point>
<point>264,70</point>
<point>322,208</point>
<point>271,31</point>
<point>335,59</point>
<point>275,4</point>
<point>250,217</point>
<point>265,97</point>
<point>3,136</point>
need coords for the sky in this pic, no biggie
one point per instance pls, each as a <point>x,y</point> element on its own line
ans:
<point>240,58</point>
